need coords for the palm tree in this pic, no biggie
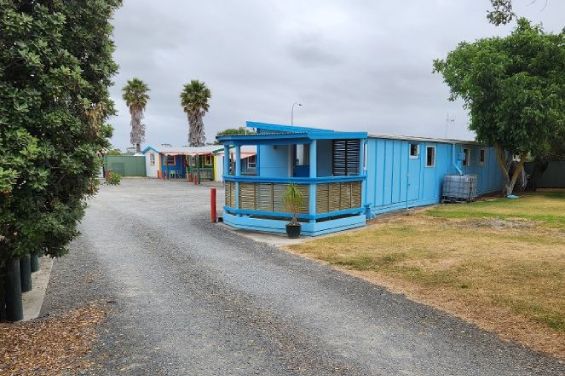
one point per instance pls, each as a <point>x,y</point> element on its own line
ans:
<point>194,100</point>
<point>136,97</point>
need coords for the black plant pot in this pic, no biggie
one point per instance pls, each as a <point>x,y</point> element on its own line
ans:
<point>13,291</point>
<point>34,262</point>
<point>25,273</point>
<point>293,230</point>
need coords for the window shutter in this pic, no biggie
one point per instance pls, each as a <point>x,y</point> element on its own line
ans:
<point>346,155</point>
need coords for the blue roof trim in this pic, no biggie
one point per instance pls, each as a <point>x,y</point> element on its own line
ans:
<point>283,128</point>
<point>279,133</point>
<point>149,148</point>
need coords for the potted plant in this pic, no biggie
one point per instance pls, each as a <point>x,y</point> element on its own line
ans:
<point>293,200</point>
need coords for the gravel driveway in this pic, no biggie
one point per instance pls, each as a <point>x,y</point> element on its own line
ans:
<point>191,298</point>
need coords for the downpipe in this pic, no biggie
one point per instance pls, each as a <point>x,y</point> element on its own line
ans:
<point>455,162</point>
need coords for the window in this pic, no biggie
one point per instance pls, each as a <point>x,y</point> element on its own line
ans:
<point>414,150</point>
<point>252,161</point>
<point>430,156</point>
<point>208,160</point>
<point>466,157</point>
<point>151,159</point>
<point>346,156</point>
<point>482,156</point>
<point>171,160</point>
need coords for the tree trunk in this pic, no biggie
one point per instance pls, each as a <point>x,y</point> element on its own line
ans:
<point>196,129</point>
<point>502,163</point>
<point>137,134</point>
<point>517,171</point>
<point>509,181</point>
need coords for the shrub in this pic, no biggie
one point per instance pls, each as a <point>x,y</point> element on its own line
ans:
<point>55,68</point>
<point>113,178</point>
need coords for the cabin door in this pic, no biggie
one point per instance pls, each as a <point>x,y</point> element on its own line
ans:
<point>413,171</point>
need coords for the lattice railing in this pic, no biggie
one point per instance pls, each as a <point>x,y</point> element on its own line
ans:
<point>268,197</point>
<point>337,196</point>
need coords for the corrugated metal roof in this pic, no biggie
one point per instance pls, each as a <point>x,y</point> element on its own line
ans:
<point>186,150</point>
<point>423,139</point>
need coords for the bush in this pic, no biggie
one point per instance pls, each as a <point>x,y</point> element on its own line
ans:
<point>113,178</point>
<point>55,68</point>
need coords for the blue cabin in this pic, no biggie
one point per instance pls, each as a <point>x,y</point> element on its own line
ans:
<point>346,178</point>
<point>170,162</point>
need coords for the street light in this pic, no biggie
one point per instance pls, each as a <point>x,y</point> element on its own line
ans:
<point>292,112</point>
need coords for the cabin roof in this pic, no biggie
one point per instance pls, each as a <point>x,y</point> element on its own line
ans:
<point>280,132</point>
<point>267,131</point>
<point>184,150</point>
<point>424,139</point>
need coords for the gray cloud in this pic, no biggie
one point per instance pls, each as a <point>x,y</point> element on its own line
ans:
<point>357,65</point>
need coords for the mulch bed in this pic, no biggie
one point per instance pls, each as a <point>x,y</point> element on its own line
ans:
<point>50,346</point>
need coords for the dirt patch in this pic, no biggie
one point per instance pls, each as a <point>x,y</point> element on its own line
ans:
<point>500,224</point>
<point>51,346</point>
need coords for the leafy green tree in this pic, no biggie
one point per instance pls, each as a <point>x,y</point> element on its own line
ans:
<point>135,93</point>
<point>501,12</point>
<point>514,90</point>
<point>194,100</point>
<point>115,151</point>
<point>55,69</point>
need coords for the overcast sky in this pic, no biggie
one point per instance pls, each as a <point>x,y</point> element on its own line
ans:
<point>363,65</point>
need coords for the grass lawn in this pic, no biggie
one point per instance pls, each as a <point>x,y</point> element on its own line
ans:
<point>499,263</point>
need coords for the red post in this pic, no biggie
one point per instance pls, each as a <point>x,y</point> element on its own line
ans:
<point>213,213</point>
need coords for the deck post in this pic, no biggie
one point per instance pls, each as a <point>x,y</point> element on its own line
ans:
<point>237,173</point>
<point>313,174</point>
<point>226,160</point>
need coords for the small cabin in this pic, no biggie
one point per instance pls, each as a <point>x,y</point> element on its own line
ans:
<point>346,178</point>
<point>169,162</point>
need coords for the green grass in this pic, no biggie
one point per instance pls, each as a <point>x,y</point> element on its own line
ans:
<point>456,257</point>
<point>547,207</point>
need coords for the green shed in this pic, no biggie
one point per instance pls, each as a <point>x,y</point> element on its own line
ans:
<point>125,165</point>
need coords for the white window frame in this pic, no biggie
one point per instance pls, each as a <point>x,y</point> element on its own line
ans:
<point>417,151</point>
<point>482,152</point>
<point>252,164</point>
<point>428,147</point>
<point>467,157</point>
<point>152,159</point>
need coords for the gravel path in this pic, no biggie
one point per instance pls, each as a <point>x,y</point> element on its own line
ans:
<point>191,298</point>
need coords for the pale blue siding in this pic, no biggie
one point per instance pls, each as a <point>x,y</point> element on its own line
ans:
<point>273,160</point>
<point>395,180</point>
<point>324,160</point>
